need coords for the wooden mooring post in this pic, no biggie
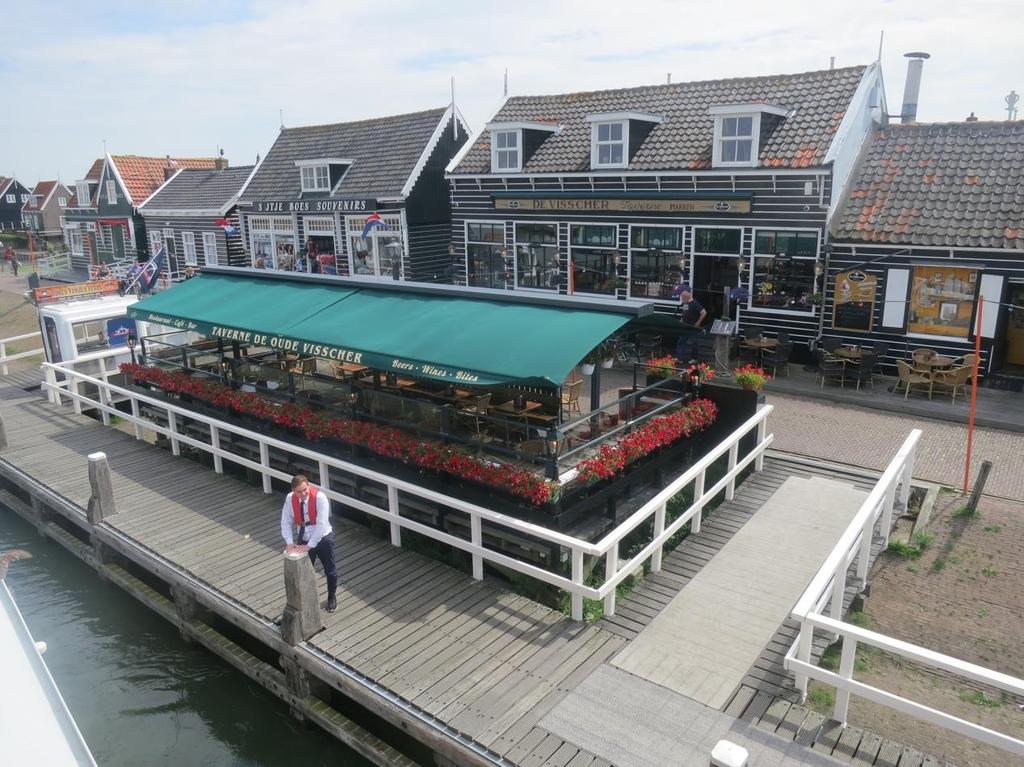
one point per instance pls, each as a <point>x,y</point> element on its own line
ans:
<point>3,435</point>
<point>301,618</point>
<point>972,502</point>
<point>101,502</point>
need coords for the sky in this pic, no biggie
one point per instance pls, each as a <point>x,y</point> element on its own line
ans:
<point>186,77</point>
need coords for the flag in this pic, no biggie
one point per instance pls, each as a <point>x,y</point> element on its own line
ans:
<point>372,221</point>
<point>226,226</point>
<point>148,274</point>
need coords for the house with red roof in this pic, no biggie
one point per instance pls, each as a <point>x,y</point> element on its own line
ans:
<point>104,224</point>
<point>42,214</point>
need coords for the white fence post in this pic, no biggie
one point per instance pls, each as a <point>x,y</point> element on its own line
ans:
<point>51,386</point>
<point>104,394</point>
<point>76,403</point>
<point>838,592</point>
<point>476,537</point>
<point>762,433</point>
<point>172,427</point>
<point>396,528</point>
<point>218,462</point>
<point>265,463</point>
<point>659,528</point>
<point>906,478</point>
<point>135,414</point>
<point>734,454</point>
<point>577,579</point>
<point>611,566</point>
<point>846,664</point>
<point>3,356</point>
<point>890,495</point>
<point>803,653</point>
<point>698,501</point>
<point>864,553</point>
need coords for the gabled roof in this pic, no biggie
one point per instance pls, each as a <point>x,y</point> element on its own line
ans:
<point>385,152</point>
<point>142,176</point>
<point>683,140</point>
<point>41,194</point>
<point>93,174</point>
<point>942,184</point>
<point>5,181</point>
<point>197,190</point>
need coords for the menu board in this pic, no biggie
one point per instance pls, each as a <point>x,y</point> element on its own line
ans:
<point>854,301</point>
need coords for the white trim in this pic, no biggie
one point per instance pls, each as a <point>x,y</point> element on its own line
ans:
<point>9,182</point>
<point>755,140</point>
<point>495,149</point>
<point>313,168</point>
<point>741,110</point>
<point>245,186</point>
<point>603,117</point>
<point>207,238</point>
<point>522,125</point>
<point>454,162</point>
<point>681,173</point>
<point>110,187</point>
<point>178,212</point>
<point>754,254</point>
<point>946,339</point>
<point>867,81</point>
<point>428,150</point>
<point>466,243</point>
<point>989,290</point>
<point>515,255</point>
<point>158,190</point>
<point>323,161</point>
<point>78,197</point>
<point>127,195</point>
<point>901,250</point>
<point>189,239</point>
<point>595,144</point>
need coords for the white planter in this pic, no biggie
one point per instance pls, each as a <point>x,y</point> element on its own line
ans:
<point>606,364</point>
<point>588,368</point>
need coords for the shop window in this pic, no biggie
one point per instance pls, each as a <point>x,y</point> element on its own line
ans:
<point>82,192</point>
<point>593,257</point>
<point>188,246</point>
<point>505,151</point>
<point>942,301</point>
<point>655,261</point>
<point>380,253</point>
<point>315,178</point>
<point>608,149</point>
<point>262,250</point>
<point>782,284</point>
<point>537,256</point>
<point>320,248</point>
<point>735,140</point>
<point>725,241</point>
<point>485,256</point>
<point>790,243</point>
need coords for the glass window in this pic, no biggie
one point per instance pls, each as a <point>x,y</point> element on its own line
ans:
<point>942,300</point>
<point>782,284</point>
<point>795,244</point>
<point>655,261</point>
<point>90,336</point>
<point>380,253</point>
<point>82,192</point>
<point>12,198</point>
<point>24,199</point>
<point>262,250</point>
<point>210,248</point>
<point>593,259</point>
<point>485,233</point>
<point>485,256</point>
<point>537,256</point>
<point>111,192</point>
<point>506,150</point>
<point>609,144</point>
<point>315,178</point>
<point>188,245</point>
<point>62,202</point>
<point>717,240</point>
<point>737,139</point>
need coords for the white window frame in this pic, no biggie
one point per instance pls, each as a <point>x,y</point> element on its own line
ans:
<point>12,198</point>
<point>210,248</point>
<point>569,247</point>
<point>693,241</point>
<point>111,192</point>
<point>466,241</point>
<point>188,248</point>
<point>156,241</point>
<point>754,254</point>
<point>354,229</point>
<point>24,199</point>
<point>630,250</point>
<point>315,178</point>
<point>82,193</point>
<point>754,137</point>
<point>515,255</point>
<point>596,144</point>
<point>496,152</point>
<point>62,202</point>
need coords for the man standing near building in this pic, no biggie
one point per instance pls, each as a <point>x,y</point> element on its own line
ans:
<point>691,316</point>
<point>306,526</point>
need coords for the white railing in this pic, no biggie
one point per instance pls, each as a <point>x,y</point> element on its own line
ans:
<point>827,590</point>
<point>608,547</point>
<point>5,357</point>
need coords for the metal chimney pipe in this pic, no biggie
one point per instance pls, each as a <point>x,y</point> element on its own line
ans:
<point>912,88</point>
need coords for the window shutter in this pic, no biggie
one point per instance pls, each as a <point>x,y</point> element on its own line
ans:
<point>894,310</point>
<point>991,292</point>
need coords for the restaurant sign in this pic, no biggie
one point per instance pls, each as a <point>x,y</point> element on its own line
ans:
<point>292,345</point>
<point>315,206</point>
<point>855,296</point>
<point>624,204</point>
<point>78,290</point>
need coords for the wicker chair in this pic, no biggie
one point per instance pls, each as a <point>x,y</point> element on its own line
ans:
<point>571,397</point>
<point>910,377</point>
<point>919,356</point>
<point>957,379</point>
<point>831,367</point>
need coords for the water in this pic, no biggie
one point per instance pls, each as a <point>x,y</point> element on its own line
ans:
<point>142,696</point>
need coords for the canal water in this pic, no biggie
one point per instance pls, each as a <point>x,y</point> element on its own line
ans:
<point>141,695</point>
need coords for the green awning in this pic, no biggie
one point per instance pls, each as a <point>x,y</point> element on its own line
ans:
<point>458,339</point>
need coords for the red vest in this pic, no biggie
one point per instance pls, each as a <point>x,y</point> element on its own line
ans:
<point>310,504</point>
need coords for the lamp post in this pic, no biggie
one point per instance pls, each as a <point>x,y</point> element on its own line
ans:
<point>131,340</point>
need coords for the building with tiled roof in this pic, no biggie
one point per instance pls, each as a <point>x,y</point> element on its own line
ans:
<point>194,215</point>
<point>104,224</point>
<point>320,187</point>
<point>13,195</point>
<point>44,209</point>
<point>723,185</point>
<point>934,214</point>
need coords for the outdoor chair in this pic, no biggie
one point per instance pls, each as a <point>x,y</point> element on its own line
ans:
<point>831,367</point>
<point>967,360</point>
<point>909,377</point>
<point>302,368</point>
<point>864,370</point>
<point>782,336</point>
<point>471,416</point>
<point>571,397</point>
<point>831,344</point>
<point>753,333</point>
<point>750,353</point>
<point>954,380</point>
<point>779,357</point>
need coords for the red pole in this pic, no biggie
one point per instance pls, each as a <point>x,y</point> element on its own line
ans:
<point>974,393</point>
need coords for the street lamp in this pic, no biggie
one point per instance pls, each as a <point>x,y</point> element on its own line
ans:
<point>131,345</point>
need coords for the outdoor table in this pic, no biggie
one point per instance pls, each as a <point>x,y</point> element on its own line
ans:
<point>459,395</point>
<point>935,363</point>
<point>849,352</point>
<point>398,384</point>
<point>511,409</point>
<point>350,369</point>
<point>761,343</point>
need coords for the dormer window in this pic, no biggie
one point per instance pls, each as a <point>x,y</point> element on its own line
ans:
<point>112,192</point>
<point>82,192</point>
<point>505,151</point>
<point>738,133</point>
<point>608,146</point>
<point>321,175</point>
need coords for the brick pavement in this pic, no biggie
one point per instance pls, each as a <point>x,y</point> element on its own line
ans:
<point>869,438</point>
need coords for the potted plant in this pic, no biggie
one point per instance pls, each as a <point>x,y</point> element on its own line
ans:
<point>751,377</point>
<point>698,373</point>
<point>661,367</point>
<point>591,360</point>
<point>607,353</point>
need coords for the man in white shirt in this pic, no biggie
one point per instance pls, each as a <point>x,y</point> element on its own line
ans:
<point>306,526</point>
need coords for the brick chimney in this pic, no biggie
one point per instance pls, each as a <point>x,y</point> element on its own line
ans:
<point>169,169</point>
<point>221,163</point>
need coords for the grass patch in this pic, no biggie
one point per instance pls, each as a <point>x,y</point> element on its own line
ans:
<point>979,698</point>
<point>989,572</point>
<point>904,549</point>
<point>821,699</point>
<point>966,512</point>
<point>938,565</point>
<point>923,539</point>
<point>860,619</point>
<point>993,528</point>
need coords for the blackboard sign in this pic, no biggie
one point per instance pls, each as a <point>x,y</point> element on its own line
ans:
<point>854,301</point>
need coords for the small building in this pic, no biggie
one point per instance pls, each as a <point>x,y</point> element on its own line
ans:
<point>726,185</point>
<point>194,215</point>
<point>43,211</point>
<point>933,225</point>
<point>104,224</point>
<point>13,195</point>
<point>365,198</point>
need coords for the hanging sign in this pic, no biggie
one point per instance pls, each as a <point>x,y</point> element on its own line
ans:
<point>641,205</point>
<point>854,304</point>
<point>91,289</point>
<point>314,206</point>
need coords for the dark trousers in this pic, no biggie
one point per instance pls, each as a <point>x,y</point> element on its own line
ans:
<point>325,552</point>
<point>686,346</point>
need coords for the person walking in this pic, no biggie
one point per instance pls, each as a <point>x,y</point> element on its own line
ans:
<point>691,316</point>
<point>9,257</point>
<point>306,526</point>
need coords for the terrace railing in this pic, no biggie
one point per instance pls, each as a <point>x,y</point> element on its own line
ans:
<point>99,394</point>
<point>820,608</point>
<point>5,358</point>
